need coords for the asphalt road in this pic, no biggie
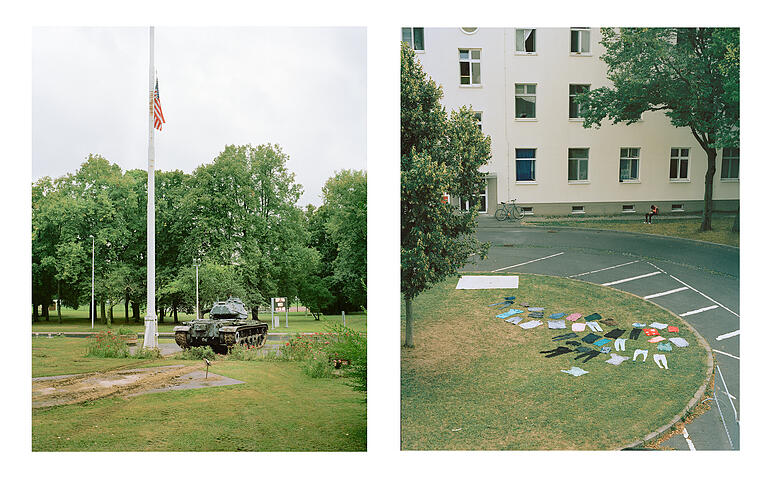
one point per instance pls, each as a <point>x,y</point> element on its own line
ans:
<point>696,280</point>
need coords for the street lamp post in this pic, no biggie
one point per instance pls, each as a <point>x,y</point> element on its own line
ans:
<point>93,280</point>
<point>196,263</point>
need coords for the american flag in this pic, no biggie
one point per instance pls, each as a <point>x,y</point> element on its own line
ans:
<point>159,119</point>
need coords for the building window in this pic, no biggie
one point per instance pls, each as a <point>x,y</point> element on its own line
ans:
<point>525,164</point>
<point>525,41</point>
<point>580,40</point>
<point>677,207</point>
<point>469,30</point>
<point>628,208</point>
<point>730,169</point>
<point>414,36</point>
<point>577,209</point>
<point>478,115</point>
<point>629,163</point>
<point>525,101</point>
<point>481,200</point>
<point>469,67</point>
<point>526,210</point>
<point>678,164</point>
<point>578,164</point>
<point>574,109</point>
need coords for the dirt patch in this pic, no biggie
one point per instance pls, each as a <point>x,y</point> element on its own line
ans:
<point>67,390</point>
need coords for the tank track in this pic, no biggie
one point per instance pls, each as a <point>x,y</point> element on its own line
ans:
<point>181,340</point>
<point>256,337</point>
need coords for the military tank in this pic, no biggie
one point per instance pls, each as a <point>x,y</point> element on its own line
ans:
<point>228,326</point>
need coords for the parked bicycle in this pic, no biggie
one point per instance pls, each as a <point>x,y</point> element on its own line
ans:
<point>509,211</point>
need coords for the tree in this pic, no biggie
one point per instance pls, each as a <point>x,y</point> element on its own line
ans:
<point>438,156</point>
<point>692,74</point>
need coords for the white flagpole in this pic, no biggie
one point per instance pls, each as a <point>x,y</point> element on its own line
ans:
<point>150,320</point>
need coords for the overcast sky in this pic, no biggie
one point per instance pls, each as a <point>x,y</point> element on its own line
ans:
<point>301,88</point>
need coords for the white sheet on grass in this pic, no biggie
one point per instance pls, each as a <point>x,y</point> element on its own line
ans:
<point>487,282</point>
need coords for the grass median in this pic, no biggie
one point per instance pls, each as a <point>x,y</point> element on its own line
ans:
<point>474,381</point>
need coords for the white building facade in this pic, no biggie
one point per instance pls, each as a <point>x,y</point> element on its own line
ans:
<point>520,82</point>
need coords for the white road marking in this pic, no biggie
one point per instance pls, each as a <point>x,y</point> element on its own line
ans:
<point>688,439</point>
<point>605,269</point>
<point>728,335</point>
<point>659,294</point>
<point>528,262</point>
<point>697,311</point>
<point>631,278</point>
<point>696,290</point>
<point>735,415</point>
<point>727,354</point>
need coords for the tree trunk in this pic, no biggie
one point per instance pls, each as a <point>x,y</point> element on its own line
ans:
<point>162,316</point>
<point>735,227</point>
<point>58,299</point>
<point>136,310</point>
<point>45,310</point>
<point>103,312</point>
<point>175,314</point>
<point>35,315</point>
<point>408,322</point>
<point>127,297</point>
<point>706,220</point>
<point>256,314</point>
<point>110,314</point>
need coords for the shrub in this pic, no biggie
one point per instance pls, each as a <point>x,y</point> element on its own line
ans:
<point>352,346</point>
<point>147,354</point>
<point>123,331</point>
<point>244,353</point>
<point>196,353</point>
<point>107,344</point>
<point>316,365</point>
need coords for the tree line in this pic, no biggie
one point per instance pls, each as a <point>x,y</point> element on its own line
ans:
<point>238,216</point>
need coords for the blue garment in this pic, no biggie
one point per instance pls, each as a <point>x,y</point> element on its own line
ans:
<point>601,342</point>
<point>666,346</point>
<point>556,315</point>
<point>509,313</point>
<point>535,309</point>
<point>638,325</point>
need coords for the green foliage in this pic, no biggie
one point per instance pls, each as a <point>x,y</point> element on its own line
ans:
<point>107,344</point>
<point>196,353</point>
<point>147,354</point>
<point>350,348</point>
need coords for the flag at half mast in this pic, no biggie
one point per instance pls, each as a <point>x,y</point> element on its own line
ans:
<point>158,110</point>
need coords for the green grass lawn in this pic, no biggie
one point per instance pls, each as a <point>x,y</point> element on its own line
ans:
<point>474,381</point>
<point>77,321</point>
<point>684,228</point>
<point>278,408</point>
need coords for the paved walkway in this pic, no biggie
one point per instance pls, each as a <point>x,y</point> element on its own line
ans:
<point>696,280</point>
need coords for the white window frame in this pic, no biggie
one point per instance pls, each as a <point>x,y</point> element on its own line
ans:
<point>678,158</point>
<point>478,115</point>
<point>680,209</point>
<point>580,31</point>
<point>533,165</point>
<point>730,159</point>
<point>630,158</point>
<point>464,204</point>
<point>471,62</point>
<point>412,42</point>
<point>526,94</point>
<point>570,101</point>
<point>576,210</point>
<point>631,208</point>
<point>579,160</point>
<point>517,47</point>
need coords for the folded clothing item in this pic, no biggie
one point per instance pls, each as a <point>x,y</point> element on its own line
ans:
<point>656,339</point>
<point>560,350</point>
<point>557,324</point>
<point>601,342</point>
<point>658,325</point>
<point>679,342</point>
<point>634,333</point>
<point>590,338</point>
<point>673,329</point>
<point>573,343</point>
<point>530,324</point>
<point>616,359</point>
<point>593,317</point>
<point>509,298</point>
<point>594,326</point>
<point>564,336</point>
<point>573,316</point>
<point>614,333</point>
<point>578,326</point>
<point>587,355</point>
<point>575,371</point>
<point>514,320</point>
<point>638,325</point>
<point>503,303</point>
<point>664,346</point>
<point>536,309</point>
<point>556,315</point>
<point>651,332</point>
<point>605,349</point>
<point>536,314</point>
<point>609,322</point>
<point>583,349</point>
<point>524,304</point>
<point>509,313</point>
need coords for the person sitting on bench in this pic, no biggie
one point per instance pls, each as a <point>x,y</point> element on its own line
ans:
<point>654,211</point>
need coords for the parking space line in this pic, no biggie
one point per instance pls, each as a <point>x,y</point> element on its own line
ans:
<point>659,294</point>
<point>735,414</point>
<point>528,262</point>
<point>688,439</point>
<point>697,311</point>
<point>605,269</point>
<point>726,354</point>
<point>696,290</point>
<point>631,278</point>
<point>728,335</point>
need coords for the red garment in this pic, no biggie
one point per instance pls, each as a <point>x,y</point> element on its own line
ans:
<point>651,332</point>
<point>673,329</point>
